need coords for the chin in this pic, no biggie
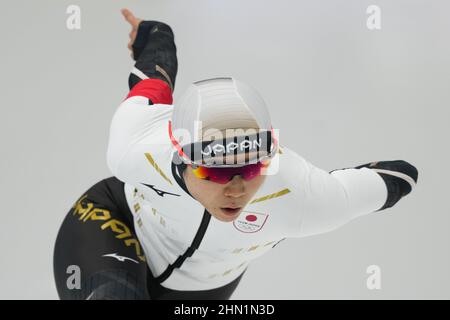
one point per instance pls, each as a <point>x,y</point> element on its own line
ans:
<point>231,218</point>
<point>219,217</point>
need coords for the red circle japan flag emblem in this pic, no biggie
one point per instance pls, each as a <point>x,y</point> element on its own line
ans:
<point>250,222</point>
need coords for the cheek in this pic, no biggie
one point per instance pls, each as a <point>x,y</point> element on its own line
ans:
<point>202,190</point>
<point>254,184</point>
<point>208,194</point>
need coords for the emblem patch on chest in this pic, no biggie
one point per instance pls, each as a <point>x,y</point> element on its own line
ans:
<point>250,222</point>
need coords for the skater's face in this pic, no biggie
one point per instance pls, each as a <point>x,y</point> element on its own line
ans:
<point>218,198</point>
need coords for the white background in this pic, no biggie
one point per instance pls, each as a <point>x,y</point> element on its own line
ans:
<point>341,95</point>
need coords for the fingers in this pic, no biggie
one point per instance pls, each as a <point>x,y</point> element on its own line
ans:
<point>134,22</point>
<point>131,19</point>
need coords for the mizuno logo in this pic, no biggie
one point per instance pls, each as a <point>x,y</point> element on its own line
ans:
<point>120,258</point>
<point>160,193</point>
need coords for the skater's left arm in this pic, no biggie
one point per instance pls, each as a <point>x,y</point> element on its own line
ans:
<point>328,200</point>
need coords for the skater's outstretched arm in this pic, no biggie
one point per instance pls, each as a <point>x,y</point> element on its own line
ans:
<point>138,118</point>
<point>326,200</point>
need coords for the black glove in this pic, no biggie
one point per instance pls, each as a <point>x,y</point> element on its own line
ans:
<point>142,37</point>
<point>155,53</point>
<point>400,177</point>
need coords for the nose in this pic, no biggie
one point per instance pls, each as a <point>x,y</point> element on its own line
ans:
<point>235,188</point>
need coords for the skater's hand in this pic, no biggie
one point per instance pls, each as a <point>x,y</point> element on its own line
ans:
<point>134,22</point>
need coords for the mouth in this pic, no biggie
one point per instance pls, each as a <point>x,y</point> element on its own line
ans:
<point>230,211</point>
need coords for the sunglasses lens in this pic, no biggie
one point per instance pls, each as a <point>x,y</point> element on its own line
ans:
<point>224,175</point>
<point>251,171</point>
<point>219,176</point>
<point>200,172</point>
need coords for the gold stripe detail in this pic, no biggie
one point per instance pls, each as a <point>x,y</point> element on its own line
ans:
<point>153,163</point>
<point>271,196</point>
<point>164,73</point>
<point>227,272</point>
